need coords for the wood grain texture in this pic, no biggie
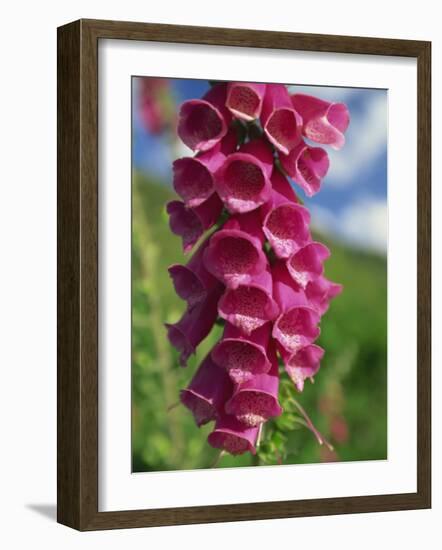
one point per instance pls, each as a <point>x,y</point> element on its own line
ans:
<point>77,223</point>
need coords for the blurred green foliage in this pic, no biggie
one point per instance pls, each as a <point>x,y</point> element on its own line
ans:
<point>347,402</point>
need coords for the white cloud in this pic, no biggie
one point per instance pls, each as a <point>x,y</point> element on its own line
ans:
<point>366,139</point>
<point>363,224</point>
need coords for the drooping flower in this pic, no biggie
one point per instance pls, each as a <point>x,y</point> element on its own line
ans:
<point>297,325</point>
<point>302,364</point>
<point>233,436</point>
<point>244,99</point>
<point>260,270</point>
<point>207,392</point>
<point>307,166</point>
<point>194,325</point>
<point>250,306</point>
<point>323,122</point>
<point>243,356</point>
<point>193,177</point>
<point>190,223</point>
<point>192,282</point>
<point>285,222</point>
<point>308,263</point>
<point>256,400</point>
<point>320,292</point>
<point>204,122</point>
<point>243,180</point>
<point>235,254</point>
<point>280,121</point>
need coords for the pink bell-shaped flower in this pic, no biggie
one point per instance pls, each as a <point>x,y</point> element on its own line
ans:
<point>323,122</point>
<point>202,123</point>
<point>192,282</point>
<point>307,264</point>
<point>190,223</point>
<point>307,166</point>
<point>235,254</point>
<point>296,326</point>
<point>233,436</point>
<point>243,180</point>
<point>320,292</point>
<point>194,325</point>
<point>243,356</point>
<point>256,400</point>
<point>250,306</point>
<point>302,364</point>
<point>244,99</point>
<point>285,222</point>
<point>193,177</point>
<point>207,392</point>
<point>281,123</point>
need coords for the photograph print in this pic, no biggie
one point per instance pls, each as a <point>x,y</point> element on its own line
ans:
<point>259,274</point>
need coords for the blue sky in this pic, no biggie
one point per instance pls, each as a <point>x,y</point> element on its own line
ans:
<point>352,203</point>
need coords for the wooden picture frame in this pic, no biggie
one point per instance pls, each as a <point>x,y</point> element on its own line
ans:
<point>78,274</point>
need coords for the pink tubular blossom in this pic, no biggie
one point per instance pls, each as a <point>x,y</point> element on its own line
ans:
<point>285,223</point>
<point>296,326</point>
<point>256,400</point>
<point>282,124</point>
<point>193,177</point>
<point>204,122</point>
<point>243,180</point>
<point>307,166</point>
<point>190,223</point>
<point>243,356</point>
<point>244,99</point>
<point>323,122</point>
<point>194,325</point>
<point>192,281</point>
<point>302,364</point>
<point>307,264</point>
<point>250,306</point>
<point>232,436</point>
<point>320,292</point>
<point>235,254</point>
<point>207,392</point>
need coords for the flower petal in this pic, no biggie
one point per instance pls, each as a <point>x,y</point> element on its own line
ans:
<point>207,392</point>
<point>282,124</point>
<point>243,356</point>
<point>244,99</point>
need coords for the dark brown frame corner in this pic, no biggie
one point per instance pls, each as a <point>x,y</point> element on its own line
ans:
<point>77,225</point>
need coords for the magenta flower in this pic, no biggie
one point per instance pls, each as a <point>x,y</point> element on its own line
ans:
<point>235,254</point>
<point>244,99</point>
<point>256,400</point>
<point>243,356</point>
<point>307,264</point>
<point>259,270</point>
<point>281,123</point>
<point>307,166</point>
<point>302,364</point>
<point>250,306</point>
<point>285,223</point>
<point>243,180</point>
<point>193,177</point>
<point>320,291</point>
<point>190,223</point>
<point>323,122</point>
<point>207,392</point>
<point>194,325</point>
<point>204,122</point>
<point>296,326</point>
<point>233,436</point>
<point>192,282</point>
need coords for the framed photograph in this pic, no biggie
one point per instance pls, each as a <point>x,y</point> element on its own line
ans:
<point>240,214</point>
